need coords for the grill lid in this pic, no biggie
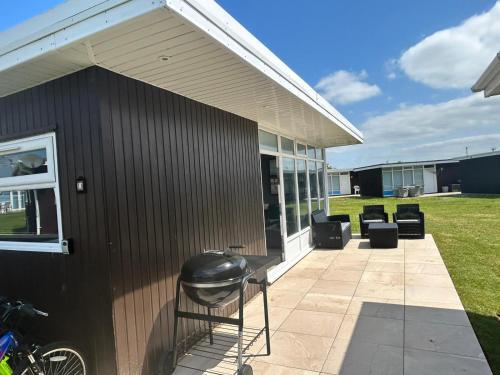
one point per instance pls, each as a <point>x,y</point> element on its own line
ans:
<point>213,266</point>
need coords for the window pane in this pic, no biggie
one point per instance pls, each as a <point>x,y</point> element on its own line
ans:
<point>319,153</point>
<point>28,215</point>
<point>302,181</point>
<point>313,185</point>
<point>408,177</point>
<point>311,152</point>
<point>398,178</point>
<point>321,180</point>
<point>23,163</point>
<point>387,182</point>
<point>287,146</point>
<point>290,196</point>
<point>301,149</point>
<point>268,141</point>
<point>419,176</point>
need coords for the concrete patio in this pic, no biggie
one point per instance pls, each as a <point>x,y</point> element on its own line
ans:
<point>363,311</point>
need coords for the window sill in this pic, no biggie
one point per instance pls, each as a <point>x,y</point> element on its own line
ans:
<point>40,247</point>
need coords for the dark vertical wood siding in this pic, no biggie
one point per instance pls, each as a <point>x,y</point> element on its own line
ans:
<point>180,177</point>
<point>370,182</point>
<point>75,288</point>
<point>480,175</point>
<point>167,178</point>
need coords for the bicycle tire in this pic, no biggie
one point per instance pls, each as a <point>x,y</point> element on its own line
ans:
<point>59,358</point>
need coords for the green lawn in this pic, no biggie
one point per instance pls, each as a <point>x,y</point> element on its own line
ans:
<point>12,222</point>
<point>467,232</point>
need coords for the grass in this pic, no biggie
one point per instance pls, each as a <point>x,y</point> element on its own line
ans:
<point>12,222</point>
<point>467,233</point>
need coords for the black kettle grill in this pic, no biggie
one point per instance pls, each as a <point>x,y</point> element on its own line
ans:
<point>214,279</point>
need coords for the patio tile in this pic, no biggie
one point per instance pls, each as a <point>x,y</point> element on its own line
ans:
<point>370,329</point>
<point>426,268</point>
<point>363,358</point>
<point>377,290</point>
<point>432,294</point>
<point>349,264</point>
<point>341,275</point>
<point>377,307</point>
<point>323,255</point>
<point>297,284</point>
<point>312,323</point>
<point>352,256</point>
<point>380,266</point>
<point>306,271</point>
<point>284,298</point>
<point>301,351</point>
<point>262,368</point>
<point>444,338</point>
<point>391,278</point>
<point>442,281</point>
<point>340,288</point>
<point>422,362</point>
<point>254,316</point>
<point>325,302</point>
<point>444,314</point>
<point>423,258</point>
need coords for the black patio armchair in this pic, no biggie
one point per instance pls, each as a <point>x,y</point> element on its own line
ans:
<point>331,232</point>
<point>410,220</point>
<point>372,214</point>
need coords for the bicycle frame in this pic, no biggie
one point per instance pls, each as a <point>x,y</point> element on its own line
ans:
<point>7,343</point>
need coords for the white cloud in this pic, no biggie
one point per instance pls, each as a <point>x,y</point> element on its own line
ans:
<point>420,132</point>
<point>455,57</point>
<point>343,87</point>
<point>391,67</point>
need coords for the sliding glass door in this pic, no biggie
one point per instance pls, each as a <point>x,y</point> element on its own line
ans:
<point>290,193</point>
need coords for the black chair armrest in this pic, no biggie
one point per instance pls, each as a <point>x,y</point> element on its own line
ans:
<point>341,218</point>
<point>386,217</point>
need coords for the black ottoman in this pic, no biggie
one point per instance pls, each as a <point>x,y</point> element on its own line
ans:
<point>383,235</point>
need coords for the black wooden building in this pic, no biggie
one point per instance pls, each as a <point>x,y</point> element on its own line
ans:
<point>480,174</point>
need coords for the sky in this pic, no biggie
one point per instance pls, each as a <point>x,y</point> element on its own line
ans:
<point>400,71</point>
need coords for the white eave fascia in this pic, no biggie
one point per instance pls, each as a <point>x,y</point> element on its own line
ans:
<point>489,82</point>
<point>218,24</point>
<point>68,29</point>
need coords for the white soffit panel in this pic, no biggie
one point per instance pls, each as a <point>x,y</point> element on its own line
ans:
<point>192,48</point>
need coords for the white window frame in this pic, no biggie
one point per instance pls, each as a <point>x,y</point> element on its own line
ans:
<point>47,180</point>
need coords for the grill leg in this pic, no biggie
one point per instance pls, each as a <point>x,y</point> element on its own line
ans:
<point>210,332</point>
<point>266,317</point>
<point>176,321</point>
<point>240,330</point>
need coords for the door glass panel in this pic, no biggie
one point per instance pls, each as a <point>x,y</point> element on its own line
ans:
<point>23,163</point>
<point>419,176</point>
<point>408,177</point>
<point>319,153</point>
<point>287,146</point>
<point>290,191</point>
<point>311,152</point>
<point>28,215</point>
<point>302,182</point>
<point>301,149</point>
<point>268,141</point>
<point>334,184</point>
<point>387,182</point>
<point>313,185</point>
<point>321,181</point>
<point>397,175</point>
<point>271,203</point>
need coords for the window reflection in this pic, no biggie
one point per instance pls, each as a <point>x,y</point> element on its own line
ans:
<point>313,183</point>
<point>23,163</point>
<point>28,215</point>
<point>302,182</point>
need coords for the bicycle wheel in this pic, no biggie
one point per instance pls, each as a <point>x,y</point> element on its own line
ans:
<point>58,359</point>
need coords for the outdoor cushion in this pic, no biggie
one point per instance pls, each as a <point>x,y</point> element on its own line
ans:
<point>374,221</point>
<point>373,216</point>
<point>345,226</point>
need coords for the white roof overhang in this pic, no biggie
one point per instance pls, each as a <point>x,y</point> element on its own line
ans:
<point>190,47</point>
<point>489,82</point>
